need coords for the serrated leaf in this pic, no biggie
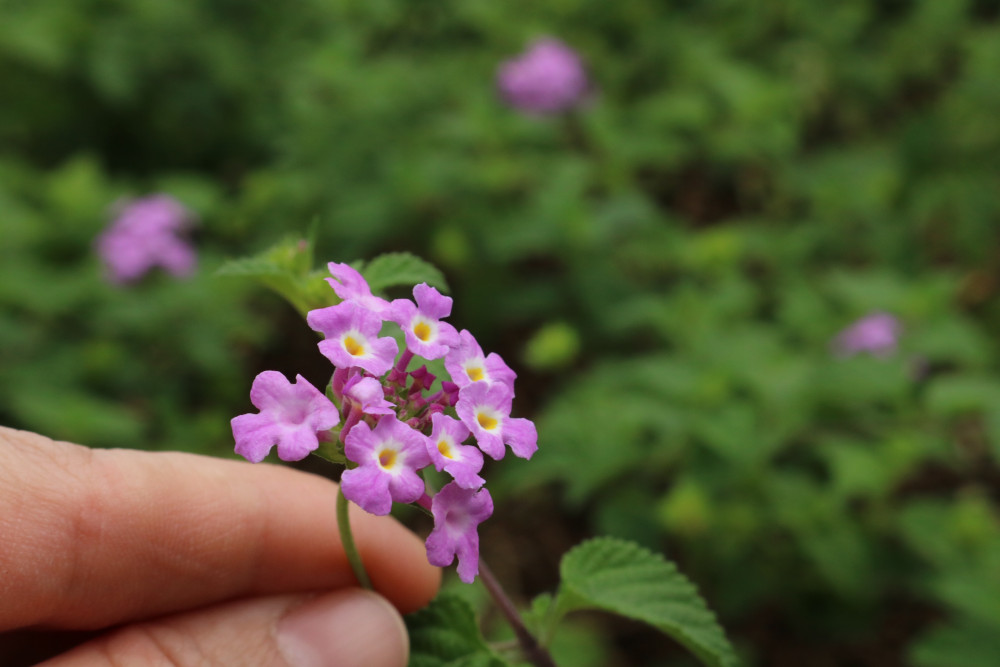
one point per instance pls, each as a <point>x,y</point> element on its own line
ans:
<point>614,575</point>
<point>401,268</point>
<point>286,269</point>
<point>445,634</point>
<point>252,267</point>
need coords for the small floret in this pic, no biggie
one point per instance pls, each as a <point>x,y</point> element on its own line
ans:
<point>448,453</point>
<point>350,285</point>
<point>367,393</point>
<point>466,364</point>
<point>425,333</point>
<point>351,333</point>
<point>291,416</point>
<point>485,410</point>
<point>457,515</point>
<point>388,459</point>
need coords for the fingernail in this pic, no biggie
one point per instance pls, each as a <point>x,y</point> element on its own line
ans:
<point>349,628</point>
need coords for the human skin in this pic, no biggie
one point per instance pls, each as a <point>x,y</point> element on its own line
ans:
<point>172,558</point>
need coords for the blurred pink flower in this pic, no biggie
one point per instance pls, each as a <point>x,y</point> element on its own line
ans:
<point>876,333</point>
<point>146,234</point>
<point>548,78</point>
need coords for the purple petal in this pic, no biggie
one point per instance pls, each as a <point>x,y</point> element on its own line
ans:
<point>406,486</point>
<point>368,488</point>
<point>255,435</point>
<point>457,515</point>
<point>290,417</point>
<point>431,302</point>
<point>350,285</point>
<point>522,436</point>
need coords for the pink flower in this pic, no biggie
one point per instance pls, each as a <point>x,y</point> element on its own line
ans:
<point>466,364</point>
<point>876,334</point>
<point>485,410</point>
<point>447,453</point>
<point>368,395</point>
<point>388,459</point>
<point>290,417</point>
<point>457,515</point>
<point>145,235</point>
<point>548,78</point>
<point>351,333</point>
<point>350,285</point>
<point>426,334</point>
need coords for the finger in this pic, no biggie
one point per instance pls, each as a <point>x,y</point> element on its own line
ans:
<point>92,538</point>
<point>348,628</point>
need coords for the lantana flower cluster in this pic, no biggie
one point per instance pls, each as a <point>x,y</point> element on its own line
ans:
<point>876,334</point>
<point>382,411</point>
<point>146,233</point>
<point>548,78</point>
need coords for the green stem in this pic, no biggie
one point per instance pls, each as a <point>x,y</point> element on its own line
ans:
<point>347,539</point>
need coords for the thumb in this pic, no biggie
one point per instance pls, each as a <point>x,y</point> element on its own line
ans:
<point>346,628</point>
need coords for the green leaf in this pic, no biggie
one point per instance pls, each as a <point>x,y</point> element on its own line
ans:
<point>957,394</point>
<point>621,577</point>
<point>445,634</point>
<point>401,268</point>
<point>286,268</point>
<point>967,642</point>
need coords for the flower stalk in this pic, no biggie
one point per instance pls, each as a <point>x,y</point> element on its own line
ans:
<point>533,652</point>
<point>347,539</point>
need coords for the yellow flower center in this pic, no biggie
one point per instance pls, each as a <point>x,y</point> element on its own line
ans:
<point>422,331</point>
<point>353,347</point>
<point>386,458</point>
<point>475,373</point>
<point>445,449</point>
<point>487,422</point>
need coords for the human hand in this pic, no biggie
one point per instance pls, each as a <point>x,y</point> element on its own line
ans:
<point>181,560</point>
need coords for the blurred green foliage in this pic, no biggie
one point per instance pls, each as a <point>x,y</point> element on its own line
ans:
<point>666,267</point>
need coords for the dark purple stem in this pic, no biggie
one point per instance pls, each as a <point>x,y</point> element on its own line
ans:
<point>534,652</point>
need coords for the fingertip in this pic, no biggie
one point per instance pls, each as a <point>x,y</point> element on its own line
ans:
<point>346,628</point>
<point>397,565</point>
